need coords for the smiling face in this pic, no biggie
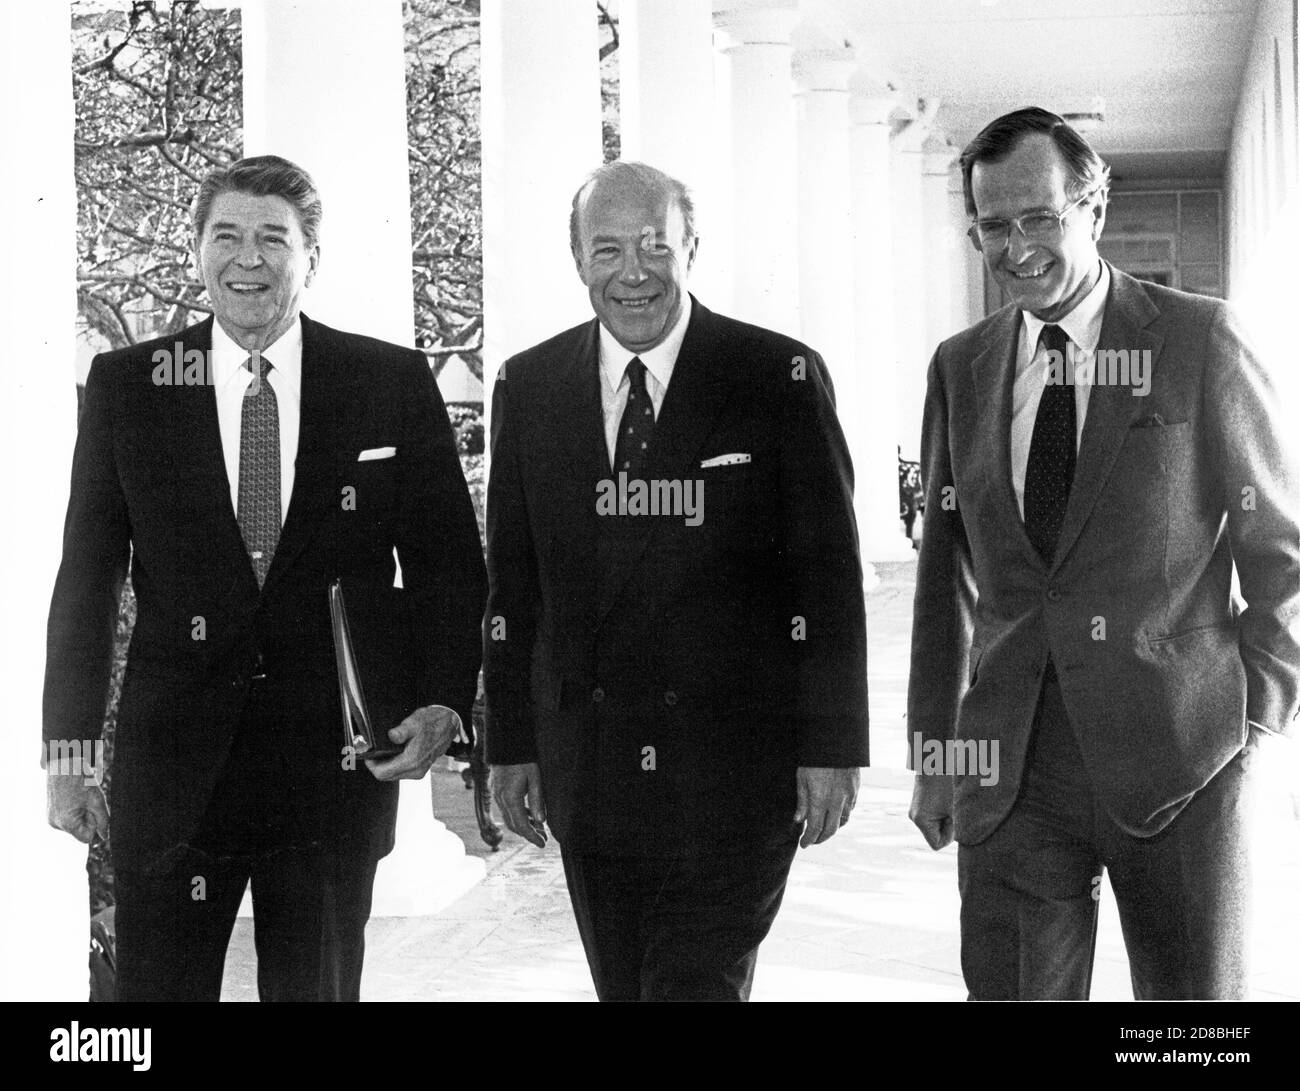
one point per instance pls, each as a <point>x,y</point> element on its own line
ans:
<point>255,263</point>
<point>1047,278</point>
<point>633,259</point>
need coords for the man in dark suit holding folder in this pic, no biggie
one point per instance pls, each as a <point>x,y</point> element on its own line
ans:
<point>675,642</point>
<point>239,468</point>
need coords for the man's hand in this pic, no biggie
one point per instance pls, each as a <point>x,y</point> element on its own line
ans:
<point>76,807</point>
<point>427,732</point>
<point>931,809</point>
<point>826,799</point>
<point>518,792</point>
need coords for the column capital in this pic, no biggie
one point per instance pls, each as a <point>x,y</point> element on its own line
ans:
<point>939,154</point>
<point>913,136</point>
<point>873,100</point>
<point>756,22</point>
<point>823,70</point>
<point>871,107</point>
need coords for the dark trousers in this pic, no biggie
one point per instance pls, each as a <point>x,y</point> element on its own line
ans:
<point>1029,892</point>
<point>309,927</point>
<point>685,928</point>
<point>310,904</point>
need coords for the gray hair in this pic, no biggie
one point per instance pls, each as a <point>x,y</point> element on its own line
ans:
<point>645,175</point>
<point>262,176</point>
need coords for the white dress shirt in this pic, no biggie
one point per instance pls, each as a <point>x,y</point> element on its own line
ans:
<point>231,379</point>
<point>659,363</point>
<point>1083,326</point>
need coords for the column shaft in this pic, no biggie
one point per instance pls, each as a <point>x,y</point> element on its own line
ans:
<point>876,433</point>
<point>541,136</point>
<point>826,259</point>
<point>43,903</point>
<point>913,284</point>
<point>324,85</point>
<point>669,118</point>
<point>763,167</point>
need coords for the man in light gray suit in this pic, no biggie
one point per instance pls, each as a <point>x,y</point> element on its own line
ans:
<point>1088,693</point>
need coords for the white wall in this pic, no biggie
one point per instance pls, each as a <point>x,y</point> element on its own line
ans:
<point>1262,198</point>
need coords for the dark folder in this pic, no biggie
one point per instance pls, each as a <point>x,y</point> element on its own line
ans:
<point>358,729</point>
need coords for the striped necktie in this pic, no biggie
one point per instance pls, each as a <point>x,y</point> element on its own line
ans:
<point>259,469</point>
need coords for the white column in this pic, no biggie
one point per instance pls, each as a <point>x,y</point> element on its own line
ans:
<point>826,210</point>
<point>942,240</point>
<point>827,261</point>
<point>968,297</point>
<point>44,922</point>
<point>872,415</point>
<point>763,166</point>
<point>324,86</point>
<point>668,116</point>
<point>947,247</point>
<point>541,137</point>
<point>912,275</point>
<point>720,224</point>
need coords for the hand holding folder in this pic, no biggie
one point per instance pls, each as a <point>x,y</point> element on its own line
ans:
<point>427,731</point>
<point>358,731</point>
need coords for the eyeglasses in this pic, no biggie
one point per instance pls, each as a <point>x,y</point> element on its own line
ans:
<point>1035,226</point>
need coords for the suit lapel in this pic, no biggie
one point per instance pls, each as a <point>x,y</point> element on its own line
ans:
<point>1111,407</point>
<point>326,379</point>
<point>573,461</point>
<point>993,373</point>
<point>578,416</point>
<point>192,421</point>
<point>696,393</point>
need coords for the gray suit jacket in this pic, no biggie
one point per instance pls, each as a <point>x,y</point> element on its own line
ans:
<point>1160,667</point>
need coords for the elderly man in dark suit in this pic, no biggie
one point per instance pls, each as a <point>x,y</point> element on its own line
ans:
<point>239,468</point>
<point>675,646</point>
<point>1087,692</point>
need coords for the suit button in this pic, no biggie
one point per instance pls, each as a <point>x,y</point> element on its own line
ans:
<point>1053,595</point>
<point>597,695</point>
<point>670,697</point>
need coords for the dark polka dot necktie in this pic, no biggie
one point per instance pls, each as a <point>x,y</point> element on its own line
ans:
<point>259,469</point>
<point>1049,472</point>
<point>637,426</point>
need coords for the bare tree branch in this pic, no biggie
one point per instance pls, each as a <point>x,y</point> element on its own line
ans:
<point>157,96</point>
<point>608,20</point>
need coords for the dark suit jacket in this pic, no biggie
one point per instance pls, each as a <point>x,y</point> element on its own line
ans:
<point>1159,671</point>
<point>149,487</point>
<point>639,641</point>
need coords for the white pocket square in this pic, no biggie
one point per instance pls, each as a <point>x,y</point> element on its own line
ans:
<point>725,460</point>
<point>376,452</point>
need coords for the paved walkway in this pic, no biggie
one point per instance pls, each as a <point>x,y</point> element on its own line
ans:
<point>871,915</point>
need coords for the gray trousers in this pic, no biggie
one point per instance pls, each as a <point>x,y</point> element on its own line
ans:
<point>1029,892</point>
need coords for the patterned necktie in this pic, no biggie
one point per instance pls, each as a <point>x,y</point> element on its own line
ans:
<point>1049,472</point>
<point>637,426</point>
<point>259,470</point>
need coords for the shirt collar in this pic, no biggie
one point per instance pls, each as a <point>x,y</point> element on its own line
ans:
<point>1083,324</point>
<point>285,354</point>
<point>659,361</point>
